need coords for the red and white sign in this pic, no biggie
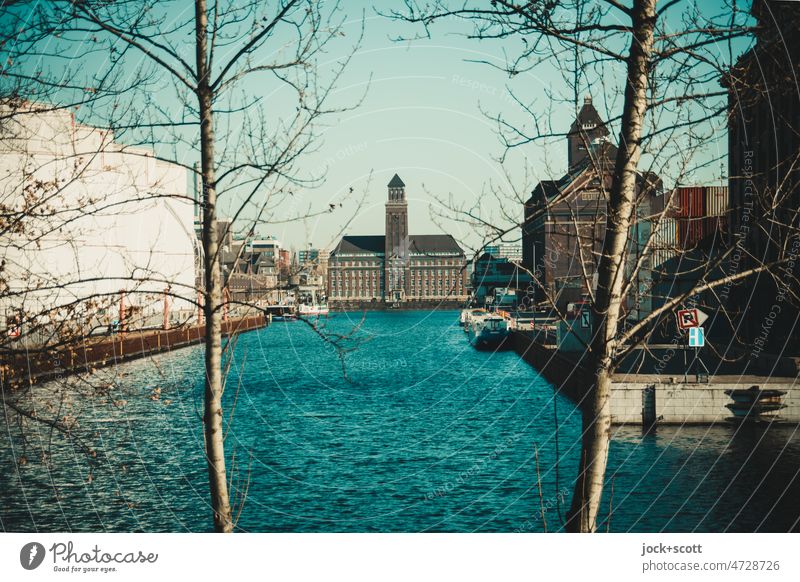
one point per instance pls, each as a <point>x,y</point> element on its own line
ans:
<point>689,318</point>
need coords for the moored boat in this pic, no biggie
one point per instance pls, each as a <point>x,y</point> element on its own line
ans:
<point>488,332</point>
<point>470,315</point>
<point>312,303</point>
<point>303,309</point>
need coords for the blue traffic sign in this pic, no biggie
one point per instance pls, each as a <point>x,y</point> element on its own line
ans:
<point>697,337</point>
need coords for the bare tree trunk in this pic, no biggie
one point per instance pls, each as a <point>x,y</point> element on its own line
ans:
<point>611,276</point>
<point>212,419</point>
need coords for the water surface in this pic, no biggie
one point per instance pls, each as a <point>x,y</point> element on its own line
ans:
<point>400,427</point>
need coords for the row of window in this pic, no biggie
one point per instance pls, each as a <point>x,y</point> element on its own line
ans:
<point>441,286</point>
<point>414,263</point>
<point>359,274</point>
<point>338,282</point>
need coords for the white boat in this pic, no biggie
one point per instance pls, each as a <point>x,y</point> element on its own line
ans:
<point>488,332</point>
<point>311,302</point>
<point>315,309</point>
<point>470,315</point>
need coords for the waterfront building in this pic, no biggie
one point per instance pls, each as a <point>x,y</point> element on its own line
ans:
<point>764,182</point>
<point>564,224</point>
<point>115,227</point>
<point>249,276</point>
<point>493,277</point>
<point>397,267</point>
<point>312,269</point>
<point>284,263</point>
<point>511,251</point>
<point>269,246</point>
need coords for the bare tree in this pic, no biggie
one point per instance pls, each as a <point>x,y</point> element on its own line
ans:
<point>205,83</point>
<point>658,68</point>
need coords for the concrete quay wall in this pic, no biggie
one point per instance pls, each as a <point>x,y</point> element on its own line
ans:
<point>675,401</point>
<point>693,403</point>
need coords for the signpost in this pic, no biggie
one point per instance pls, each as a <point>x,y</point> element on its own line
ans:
<point>586,321</point>
<point>692,320</point>
<point>689,318</point>
<point>697,337</point>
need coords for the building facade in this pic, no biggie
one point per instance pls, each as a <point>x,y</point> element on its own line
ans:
<point>764,182</point>
<point>494,277</point>
<point>397,267</point>
<point>249,276</point>
<point>116,225</point>
<point>564,226</point>
<point>510,251</point>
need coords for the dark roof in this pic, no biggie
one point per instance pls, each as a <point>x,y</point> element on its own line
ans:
<point>588,115</point>
<point>433,243</point>
<point>228,255</point>
<point>361,244</point>
<point>544,191</point>
<point>396,182</point>
<point>261,259</point>
<point>417,243</point>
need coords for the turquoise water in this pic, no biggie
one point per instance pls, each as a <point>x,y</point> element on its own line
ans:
<point>404,427</point>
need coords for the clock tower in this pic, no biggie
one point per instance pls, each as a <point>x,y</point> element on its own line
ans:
<point>396,249</point>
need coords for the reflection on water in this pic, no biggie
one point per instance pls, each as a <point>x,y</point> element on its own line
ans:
<point>708,479</point>
<point>427,435</point>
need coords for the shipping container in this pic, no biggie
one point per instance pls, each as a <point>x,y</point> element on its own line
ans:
<point>691,202</point>
<point>702,213</point>
<point>664,242</point>
<point>689,232</point>
<point>716,201</point>
<point>717,227</point>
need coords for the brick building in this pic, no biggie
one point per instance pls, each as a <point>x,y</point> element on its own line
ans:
<point>397,267</point>
<point>564,226</point>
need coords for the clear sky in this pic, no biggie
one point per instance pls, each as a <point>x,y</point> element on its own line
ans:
<point>423,118</point>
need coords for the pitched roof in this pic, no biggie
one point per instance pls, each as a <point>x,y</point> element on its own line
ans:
<point>396,182</point>
<point>261,259</point>
<point>588,116</point>
<point>601,158</point>
<point>417,243</point>
<point>433,243</point>
<point>361,244</point>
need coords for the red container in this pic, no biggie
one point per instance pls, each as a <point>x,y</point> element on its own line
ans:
<point>702,212</point>
<point>691,202</point>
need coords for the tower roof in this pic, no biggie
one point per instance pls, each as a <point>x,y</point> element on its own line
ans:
<point>588,118</point>
<point>396,182</point>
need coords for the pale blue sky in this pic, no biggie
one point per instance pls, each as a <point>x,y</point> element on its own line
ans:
<point>422,119</point>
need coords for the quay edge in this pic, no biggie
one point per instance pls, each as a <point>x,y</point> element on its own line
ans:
<point>97,352</point>
<point>670,398</point>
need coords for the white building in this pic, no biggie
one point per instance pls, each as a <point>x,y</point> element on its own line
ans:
<point>96,219</point>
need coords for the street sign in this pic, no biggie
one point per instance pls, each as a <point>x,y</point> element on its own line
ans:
<point>586,322</point>
<point>697,337</point>
<point>689,318</point>
<point>701,317</point>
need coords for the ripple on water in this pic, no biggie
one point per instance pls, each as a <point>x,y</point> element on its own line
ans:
<point>427,435</point>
